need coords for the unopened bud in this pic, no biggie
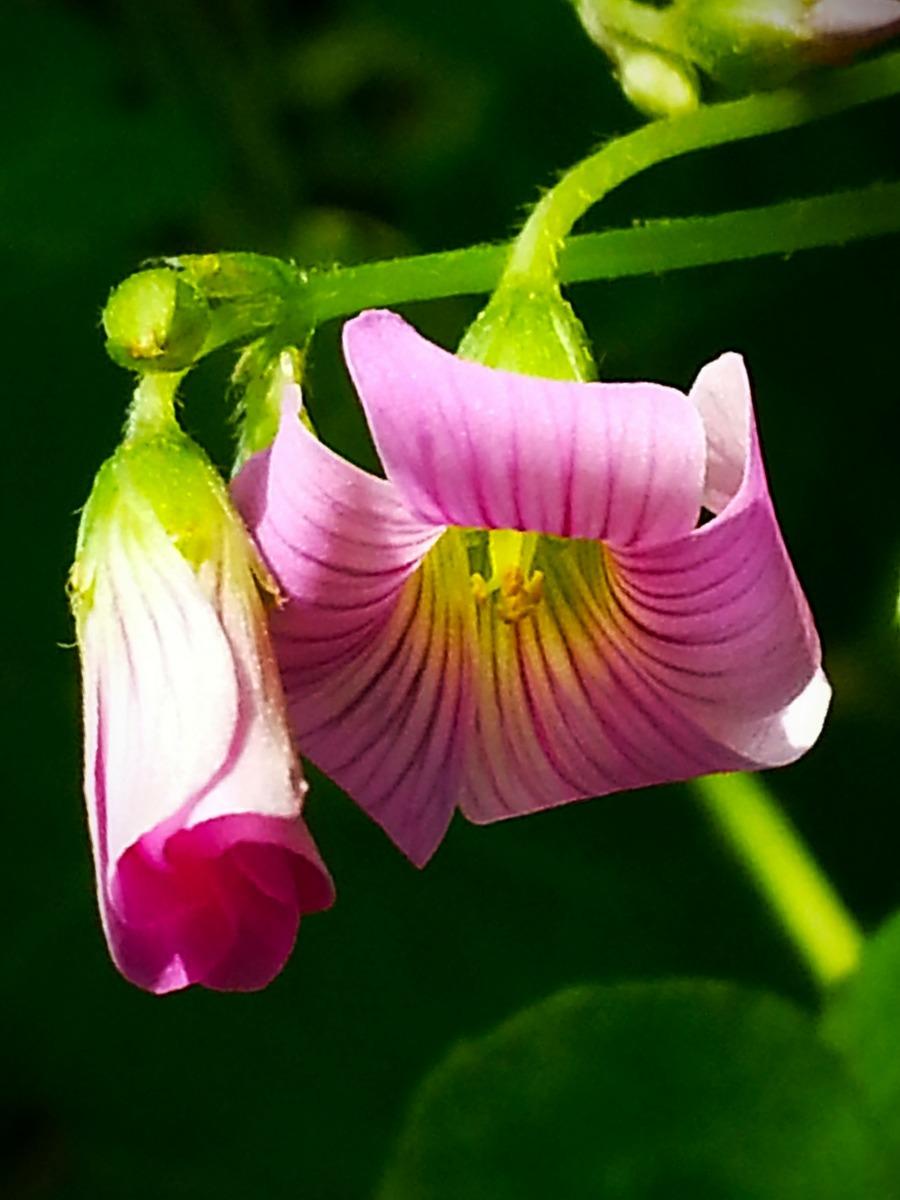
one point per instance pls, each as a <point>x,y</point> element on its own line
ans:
<point>658,84</point>
<point>155,321</point>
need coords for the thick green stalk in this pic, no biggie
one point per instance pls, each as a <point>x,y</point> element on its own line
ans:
<point>775,857</point>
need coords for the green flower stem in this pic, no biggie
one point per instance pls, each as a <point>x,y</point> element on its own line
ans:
<point>651,248</point>
<point>534,256</point>
<point>152,410</point>
<point>811,913</point>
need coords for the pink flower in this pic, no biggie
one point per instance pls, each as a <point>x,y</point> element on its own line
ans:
<point>203,862</point>
<point>527,609</point>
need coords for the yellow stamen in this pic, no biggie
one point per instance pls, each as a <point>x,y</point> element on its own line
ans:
<point>516,588</point>
<point>480,589</point>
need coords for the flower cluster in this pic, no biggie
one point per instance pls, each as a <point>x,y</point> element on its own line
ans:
<point>560,589</point>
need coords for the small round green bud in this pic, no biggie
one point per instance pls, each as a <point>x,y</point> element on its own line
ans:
<point>657,84</point>
<point>155,321</point>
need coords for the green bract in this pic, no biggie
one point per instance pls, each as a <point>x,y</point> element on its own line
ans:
<point>157,475</point>
<point>533,331</point>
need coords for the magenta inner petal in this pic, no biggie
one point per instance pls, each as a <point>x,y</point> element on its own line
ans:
<point>221,907</point>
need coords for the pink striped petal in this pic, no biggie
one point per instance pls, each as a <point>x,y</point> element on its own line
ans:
<point>660,663</point>
<point>565,710</point>
<point>719,616</point>
<point>374,639</point>
<point>472,446</point>
<point>340,543</point>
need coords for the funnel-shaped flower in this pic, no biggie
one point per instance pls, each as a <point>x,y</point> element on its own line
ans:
<point>203,862</point>
<point>528,609</point>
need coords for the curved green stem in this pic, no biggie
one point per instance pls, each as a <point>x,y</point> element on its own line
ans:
<point>810,911</point>
<point>651,248</point>
<point>152,409</point>
<point>534,255</point>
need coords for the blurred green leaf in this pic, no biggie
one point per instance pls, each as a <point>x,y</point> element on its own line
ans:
<point>641,1092</point>
<point>862,1021</point>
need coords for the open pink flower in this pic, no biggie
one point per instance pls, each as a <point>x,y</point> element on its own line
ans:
<point>203,862</point>
<point>526,611</point>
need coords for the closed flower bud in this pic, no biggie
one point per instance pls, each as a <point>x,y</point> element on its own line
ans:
<point>203,863</point>
<point>155,321</point>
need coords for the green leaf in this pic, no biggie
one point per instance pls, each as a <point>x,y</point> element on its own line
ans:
<point>640,1092</point>
<point>862,1021</point>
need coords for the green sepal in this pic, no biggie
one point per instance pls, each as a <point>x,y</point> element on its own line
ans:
<point>260,376</point>
<point>158,475</point>
<point>532,332</point>
<point>168,317</point>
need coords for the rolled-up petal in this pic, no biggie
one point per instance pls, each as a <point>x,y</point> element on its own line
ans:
<point>204,865</point>
<point>719,616</point>
<point>469,445</point>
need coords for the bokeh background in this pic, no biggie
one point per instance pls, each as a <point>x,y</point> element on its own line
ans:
<point>345,130</point>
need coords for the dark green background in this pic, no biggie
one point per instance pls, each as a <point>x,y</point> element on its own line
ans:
<point>344,130</point>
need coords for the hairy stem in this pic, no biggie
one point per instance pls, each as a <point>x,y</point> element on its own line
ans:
<point>651,248</point>
<point>535,253</point>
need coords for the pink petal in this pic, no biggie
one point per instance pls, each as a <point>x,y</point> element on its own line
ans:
<point>657,663</point>
<point>718,616</point>
<point>339,542</point>
<point>166,726</point>
<point>564,709</point>
<point>221,906</point>
<point>374,640</point>
<point>472,446</point>
<point>668,653</point>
